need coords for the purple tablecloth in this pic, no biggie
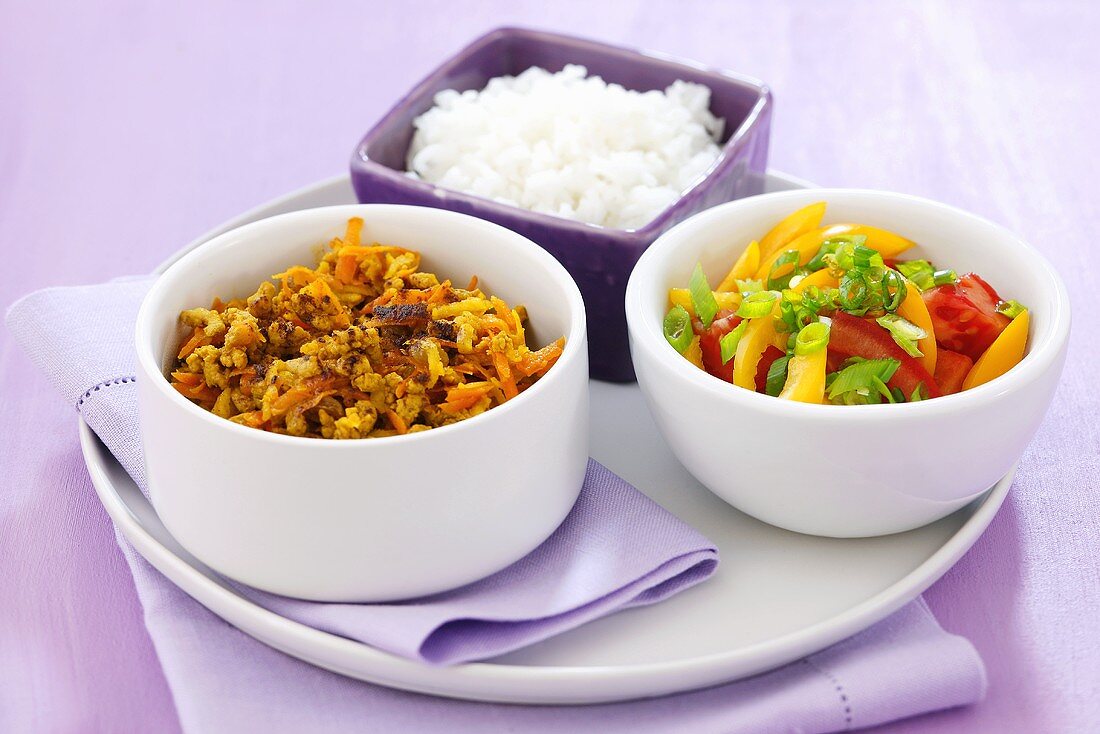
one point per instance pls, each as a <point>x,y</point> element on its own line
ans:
<point>124,124</point>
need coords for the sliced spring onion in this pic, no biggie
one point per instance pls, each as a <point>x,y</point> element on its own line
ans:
<point>831,246</point>
<point>812,338</point>
<point>777,376</point>
<point>905,333</point>
<point>893,290</point>
<point>944,277</point>
<point>853,293</point>
<point>702,298</point>
<point>920,392</point>
<point>843,258</point>
<point>790,313</point>
<point>878,384</point>
<point>1011,309</point>
<point>757,304</point>
<point>864,257</point>
<point>677,328</point>
<point>777,280</point>
<point>799,308</point>
<point>728,343</point>
<point>919,272</point>
<point>682,297</point>
<point>859,380</point>
<point>750,286</point>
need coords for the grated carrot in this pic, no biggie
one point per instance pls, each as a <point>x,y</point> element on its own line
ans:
<point>361,250</point>
<point>188,378</point>
<point>542,360</point>
<point>397,423</point>
<point>355,226</point>
<point>504,372</point>
<point>347,267</point>
<point>198,339</point>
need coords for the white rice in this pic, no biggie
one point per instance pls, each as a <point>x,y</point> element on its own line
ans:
<point>568,144</point>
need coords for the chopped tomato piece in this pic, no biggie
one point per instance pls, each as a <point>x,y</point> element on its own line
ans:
<point>852,336</point>
<point>833,361</point>
<point>767,359</point>
<point>964,315</point>
<point>709,343</point>
<point>951,369</point>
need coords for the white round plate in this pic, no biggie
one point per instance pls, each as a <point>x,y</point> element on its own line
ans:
<point>777,596</point>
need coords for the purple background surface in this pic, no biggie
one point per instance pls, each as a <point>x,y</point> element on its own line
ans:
<point>127,130</point>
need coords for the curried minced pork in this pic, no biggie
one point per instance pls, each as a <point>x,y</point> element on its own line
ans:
<point>363,345</point>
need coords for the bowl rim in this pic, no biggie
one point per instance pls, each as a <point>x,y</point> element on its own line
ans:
<point>360,161</point>
<point>149,369</point>
<point>1036,362</point>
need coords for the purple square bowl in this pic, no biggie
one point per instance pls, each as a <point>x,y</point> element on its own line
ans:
<point>599,258</point>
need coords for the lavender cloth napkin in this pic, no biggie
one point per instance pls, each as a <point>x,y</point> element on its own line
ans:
<point>616,549</point>
<point>902,666</point>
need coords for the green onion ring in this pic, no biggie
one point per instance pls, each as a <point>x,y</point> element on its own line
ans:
<point>728,343</point>
<point>677,328</point>
<point>758,304</point>
<point>1011,309</point>
<point>777,376</point>
<point>790,257</point>
<point>944,277</point>
<point>853,292</point>
<point>862,256</point>
<point>895,279</point>
<point>812,339</point>
<point>702,298</point>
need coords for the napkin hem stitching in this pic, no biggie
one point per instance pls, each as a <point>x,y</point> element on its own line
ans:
<point>105,383</point>
<point>839,689</point>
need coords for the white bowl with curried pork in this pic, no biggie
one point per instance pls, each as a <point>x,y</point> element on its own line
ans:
<point>371,519</point>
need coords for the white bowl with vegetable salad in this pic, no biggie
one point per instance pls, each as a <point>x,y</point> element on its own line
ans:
<point>817,447</point>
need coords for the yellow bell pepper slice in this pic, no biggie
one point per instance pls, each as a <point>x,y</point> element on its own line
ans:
<point>758,335</point>
<point>745,266</point>
<point>887,244</point>
<point>806,378</point>
<point>807,245</point>
<point>694,353</point>
<point>761,333</point>
<point>821,278</point>
<point>682,297</point>
<point>883,241</point>
<point>912,309</point>
<point>794,225</point>
<point>806,370</point>
<point>1002,355</point>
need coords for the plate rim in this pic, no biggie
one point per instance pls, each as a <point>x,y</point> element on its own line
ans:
<point>510,683</point>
